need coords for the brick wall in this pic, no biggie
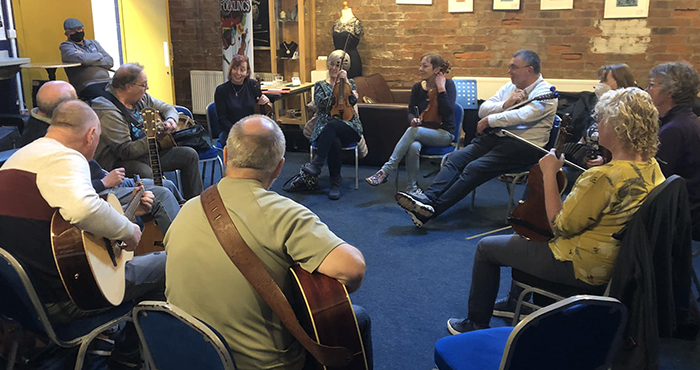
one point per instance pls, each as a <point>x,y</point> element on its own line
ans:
<point>194,31</point>
<point>571,43</point>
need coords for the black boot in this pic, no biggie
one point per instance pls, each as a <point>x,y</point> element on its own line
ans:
<point>334,192</point>
<point>313,168</point>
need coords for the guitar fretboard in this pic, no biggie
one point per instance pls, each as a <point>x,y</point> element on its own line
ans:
<point>155,161</point>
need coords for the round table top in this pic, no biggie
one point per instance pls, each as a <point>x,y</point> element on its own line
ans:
<point>50,65</point>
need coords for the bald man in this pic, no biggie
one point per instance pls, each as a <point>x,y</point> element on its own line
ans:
<point>49,96</point>
<point>52,173</point>
<point>281,232</point>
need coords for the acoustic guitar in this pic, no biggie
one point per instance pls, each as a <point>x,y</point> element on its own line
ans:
<point>324,310</point>
<point>91,267</point>
<point>152,237</point>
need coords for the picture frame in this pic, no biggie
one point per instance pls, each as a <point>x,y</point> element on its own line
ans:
<point>506,4</point>
<point>556,4</point>
<point>460,6</point>
<point>414,2</point>
<point>626,9</point>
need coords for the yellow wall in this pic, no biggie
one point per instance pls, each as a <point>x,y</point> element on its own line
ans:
<point>39,26</point>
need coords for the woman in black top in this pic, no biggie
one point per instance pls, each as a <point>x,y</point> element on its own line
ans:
<point>237,98</point>
<point>431,71</point>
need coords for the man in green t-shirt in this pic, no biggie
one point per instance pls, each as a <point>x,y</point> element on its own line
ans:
<point>202,280</point>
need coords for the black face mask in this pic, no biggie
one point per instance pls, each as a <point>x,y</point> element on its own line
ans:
<point>78,36</point>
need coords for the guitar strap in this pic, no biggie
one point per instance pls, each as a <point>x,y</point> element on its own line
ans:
<point>122,108</point>
<point>259,278</point>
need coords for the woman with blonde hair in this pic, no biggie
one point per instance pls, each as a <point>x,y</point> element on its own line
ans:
<point>331,133</point>
<point>583,250</point>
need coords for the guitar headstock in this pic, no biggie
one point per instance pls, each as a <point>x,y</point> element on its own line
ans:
<point>152,122</point>
<point>547,96</point>
<point>150,118</point>
<point>445,67</point>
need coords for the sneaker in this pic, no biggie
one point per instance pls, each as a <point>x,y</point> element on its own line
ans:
<point>417,219</point>
<point>459,326</point>
<point>506,308</point>
<point>418,204</point>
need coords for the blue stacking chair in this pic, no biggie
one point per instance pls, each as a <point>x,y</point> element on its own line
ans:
<point>466,93</point>
<point>441,152</point>
<point>579,333</point>
<point>173,339</point>
<point>21,303</point>
<point>209,156</point>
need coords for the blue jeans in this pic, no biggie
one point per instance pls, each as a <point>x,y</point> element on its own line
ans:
<point>165,205</point>
<point>410,146</point>
<point>485,158</point>
<point>364,323</point>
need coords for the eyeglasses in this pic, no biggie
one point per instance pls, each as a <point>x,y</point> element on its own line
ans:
<point>145,86</point>
<point>513,67</point>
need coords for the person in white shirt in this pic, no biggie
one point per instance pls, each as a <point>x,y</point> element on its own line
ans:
<point>491,154</point>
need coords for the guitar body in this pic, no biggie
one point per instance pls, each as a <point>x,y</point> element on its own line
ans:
<point>151,238</point>
<point>92,278</point>
<point>325,312</point>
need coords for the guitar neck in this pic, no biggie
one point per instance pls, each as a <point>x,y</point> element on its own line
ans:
<point>130,211</point>
<point>155,161</point>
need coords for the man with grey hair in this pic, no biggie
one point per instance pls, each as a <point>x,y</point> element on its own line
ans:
<point>123,142</point>
<point>492,154</point>
<point>673,88</point>
<point>92,76</point>
<point>203,281</point>
<point>50,174</point>
<point>49,96</point>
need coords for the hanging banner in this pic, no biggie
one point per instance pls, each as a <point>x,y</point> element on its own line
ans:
<point>236,30</point>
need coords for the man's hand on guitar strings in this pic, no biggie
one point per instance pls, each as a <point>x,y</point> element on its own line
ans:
<point>482,125</point>
<point>515,98</point>
<point>131,243</point>
<point>170,125</point>
<point>146,203</point>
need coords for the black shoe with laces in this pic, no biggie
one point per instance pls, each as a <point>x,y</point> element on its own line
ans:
<point>459,326</point>
<point>416,203</point>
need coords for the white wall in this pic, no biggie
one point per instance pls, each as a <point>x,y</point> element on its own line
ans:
<point>104,19</point>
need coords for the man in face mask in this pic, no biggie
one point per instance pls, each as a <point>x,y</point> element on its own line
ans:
<point>92,76</point>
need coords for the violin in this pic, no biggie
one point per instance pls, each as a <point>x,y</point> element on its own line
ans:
<point>430,117</point>
<point>529,219</point>
<point>342,109</point>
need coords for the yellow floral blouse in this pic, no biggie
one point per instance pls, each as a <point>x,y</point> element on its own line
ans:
<point>603,199</point>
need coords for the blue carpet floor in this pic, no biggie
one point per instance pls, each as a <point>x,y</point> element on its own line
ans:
<point>418,278</point>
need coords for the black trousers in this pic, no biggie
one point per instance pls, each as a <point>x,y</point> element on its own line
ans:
<point>330,142</point>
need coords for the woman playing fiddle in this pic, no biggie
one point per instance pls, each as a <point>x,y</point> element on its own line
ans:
<point>237,97</point>
<point>332,132</point>
<point>583,250</point>
<point>432,76</point>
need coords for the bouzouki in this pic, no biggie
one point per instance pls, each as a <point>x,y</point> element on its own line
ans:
<point>91,267</point>
<point>328,327</point>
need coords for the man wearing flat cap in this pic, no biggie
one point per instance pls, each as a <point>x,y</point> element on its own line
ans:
<point>92,76</point>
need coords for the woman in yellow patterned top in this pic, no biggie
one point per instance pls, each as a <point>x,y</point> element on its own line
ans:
<point>604,198</point>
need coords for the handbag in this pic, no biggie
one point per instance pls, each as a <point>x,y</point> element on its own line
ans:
<point>193,137</point>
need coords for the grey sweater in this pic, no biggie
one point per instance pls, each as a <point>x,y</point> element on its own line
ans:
<point>119,140</point>
<point>95,63</point>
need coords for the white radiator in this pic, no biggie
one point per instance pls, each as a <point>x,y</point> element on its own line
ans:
<point>487,86</point>
<point>204,84</point>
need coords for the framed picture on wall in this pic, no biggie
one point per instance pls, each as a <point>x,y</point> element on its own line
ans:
<point>415,2</point>
<point>626,9</point>
<point>506,4</point>
<point>460,6</point>
<point>556,4</point>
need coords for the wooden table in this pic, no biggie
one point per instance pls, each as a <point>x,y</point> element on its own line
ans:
<point>50,67</point>
<point>276,95</point>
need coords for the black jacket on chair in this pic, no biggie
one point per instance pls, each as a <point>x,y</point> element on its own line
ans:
<point>652,276</point>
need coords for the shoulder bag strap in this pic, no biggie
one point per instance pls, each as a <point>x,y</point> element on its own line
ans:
<point>259,278</point>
